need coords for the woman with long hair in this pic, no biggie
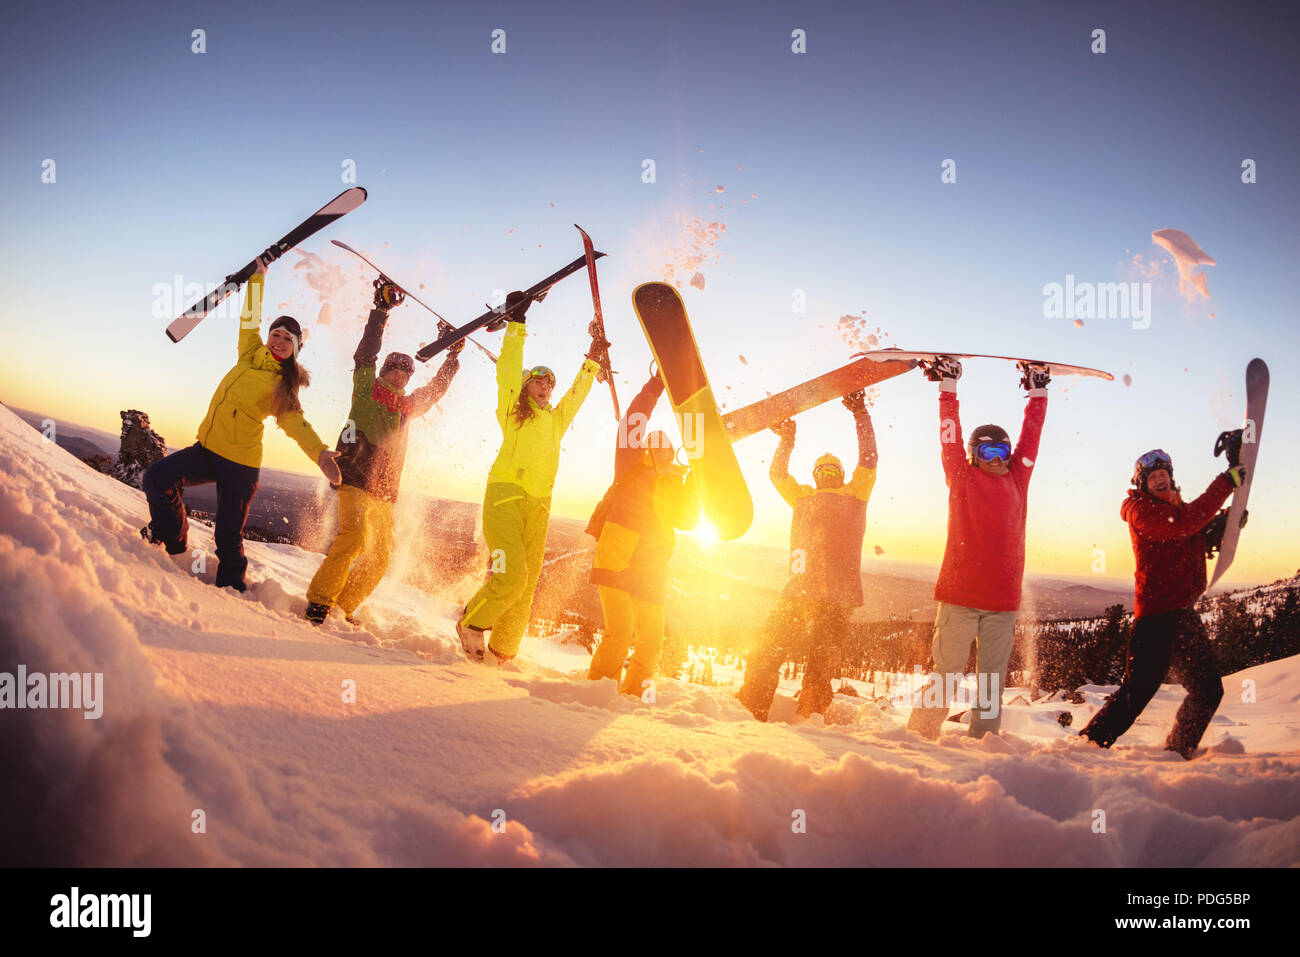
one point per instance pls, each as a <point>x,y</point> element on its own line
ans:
<point>517,505</point>
<point>264,382</point>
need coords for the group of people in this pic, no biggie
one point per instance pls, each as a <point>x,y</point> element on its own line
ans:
<point>652,496</point>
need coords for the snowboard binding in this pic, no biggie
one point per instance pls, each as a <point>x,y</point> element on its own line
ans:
<point>1229,444</point>
<point>1215,529</point>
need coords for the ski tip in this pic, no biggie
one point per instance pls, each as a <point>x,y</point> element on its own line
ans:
<point>171,337</point>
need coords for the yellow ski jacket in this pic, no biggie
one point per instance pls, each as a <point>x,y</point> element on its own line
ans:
<point>530,452</point>
<point>233,426</point>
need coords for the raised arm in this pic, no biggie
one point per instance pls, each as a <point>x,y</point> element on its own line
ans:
<point>952,449</point>
<point>636,418</point>
<point>568,406</point>
<point>1031,430</point>
<point>423,398</point>
<point>510,370</point>
<point>779,471</point>
<point>250,317</point>
<point>1160,522</point>
<point>367,353</point>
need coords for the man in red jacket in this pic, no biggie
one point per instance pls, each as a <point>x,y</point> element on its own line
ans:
<point>979,583</point>
<point>1169,547</point>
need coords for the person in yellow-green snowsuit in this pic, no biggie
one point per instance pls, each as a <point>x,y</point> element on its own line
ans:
<point>634,530</point>
<point>265,381</point>
<point>826,570</point>
<point>373,451</point>
<point>517,504</point>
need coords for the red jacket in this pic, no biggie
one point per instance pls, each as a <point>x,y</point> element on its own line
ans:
<point>1169,547</point>
<point>984,560</point>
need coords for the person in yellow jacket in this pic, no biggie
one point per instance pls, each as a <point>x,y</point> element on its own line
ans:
<point>264,382</point>
<point>517,504</point>
<point>634,530</point>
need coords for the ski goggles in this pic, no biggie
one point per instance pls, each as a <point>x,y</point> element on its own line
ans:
<point>538,372</point>
<point>1155,459</point>
<point>828,471</point>
<point>989,451</point>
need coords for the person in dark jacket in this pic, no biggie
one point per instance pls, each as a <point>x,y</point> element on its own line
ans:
<point>979,583</point>
<point>826,570</point>
<point>373,451</point>
<point>634,530</point>
<point>1169,548</point>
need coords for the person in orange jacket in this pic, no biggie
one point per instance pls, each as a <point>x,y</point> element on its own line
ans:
<point>826,569</point>
<point>264,382</point>
<point>634,530</point>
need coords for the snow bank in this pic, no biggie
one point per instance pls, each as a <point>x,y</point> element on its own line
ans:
<point>234,733</point>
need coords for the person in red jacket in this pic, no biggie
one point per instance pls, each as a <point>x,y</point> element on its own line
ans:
<point>826,564</point>
<point>1169,548</point>
<point>984,561</point>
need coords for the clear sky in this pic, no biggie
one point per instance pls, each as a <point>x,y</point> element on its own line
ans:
<point>170,163</point>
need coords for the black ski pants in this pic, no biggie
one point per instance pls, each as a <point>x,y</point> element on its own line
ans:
<point>795,625</point>
<point>168,522</point>
<point>1174,643</point>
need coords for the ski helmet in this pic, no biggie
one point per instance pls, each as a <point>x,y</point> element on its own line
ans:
<point>400,361</point>
<point>987,435</point>
<point>290,325</point>
<point>537,372</point>
<point>829,466</point>
<point>1149,462</point>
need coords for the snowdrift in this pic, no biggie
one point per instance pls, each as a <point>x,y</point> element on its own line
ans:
<point>233,733</point>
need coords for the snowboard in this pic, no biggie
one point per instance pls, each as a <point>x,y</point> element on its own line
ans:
<point>1054,368</point>
<point>723,492</point>
<point>833,385</point>
<point>1256,399</point>
<point>598,321</point>
<point>340,205</point>
<point>443,324</point>
<point>534,293</point>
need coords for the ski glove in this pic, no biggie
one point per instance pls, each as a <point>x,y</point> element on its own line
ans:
<point>944,370</point>
<point>517,306</point>
<point>785,430</point>
<point>387,295</point>
<point>1236,475</point>
<point>1034,378</point>
<point>856,402</point>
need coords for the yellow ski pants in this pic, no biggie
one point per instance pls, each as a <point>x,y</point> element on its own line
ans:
<point>360,553</point>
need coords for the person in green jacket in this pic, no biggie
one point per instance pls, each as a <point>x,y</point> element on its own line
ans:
<point>264,382</point>
<point>372,449</point>
<point>517,503</point>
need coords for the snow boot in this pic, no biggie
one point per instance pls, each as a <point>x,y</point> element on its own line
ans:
<point>316,612</point>
<point>472,641</point>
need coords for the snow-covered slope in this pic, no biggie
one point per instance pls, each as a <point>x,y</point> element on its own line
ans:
<point>230,711</point>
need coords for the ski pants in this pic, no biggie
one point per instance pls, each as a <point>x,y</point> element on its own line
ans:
<point>994,634</point>
<point>514,524</point>
<point>628,621</point>
<point>360,552</point>
<point>168,522</point>
<point>1172,642</point>
<point>795,625</point>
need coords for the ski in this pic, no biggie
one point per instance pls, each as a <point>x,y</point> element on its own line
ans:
<point>723,492</point>
<point>1246,454</point>
<point>443,324</point>
<point>598,323</point>
<point>534,293</point>
<point>340,205</point>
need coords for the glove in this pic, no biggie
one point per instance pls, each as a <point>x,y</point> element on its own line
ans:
<point>944,370</point>
<point>856,402</point>
<point>516,307</point>
<point>456,348</point>
<point>785,429</point>
<point>1034,378</point>
<point>269,255</point>
<point>387,295</point>
<point>1236,475</point>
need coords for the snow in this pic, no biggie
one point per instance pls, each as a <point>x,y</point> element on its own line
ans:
<point>1187,256</point>
<point>232,706</point>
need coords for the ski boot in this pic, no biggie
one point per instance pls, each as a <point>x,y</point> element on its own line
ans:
<point>472,641</point>
<point>316,612</point>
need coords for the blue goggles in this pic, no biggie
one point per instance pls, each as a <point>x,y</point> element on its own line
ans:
<point>1156,458</point>
<point>989,451</point>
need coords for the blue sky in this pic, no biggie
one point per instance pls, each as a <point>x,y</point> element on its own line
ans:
<point>477,164</point>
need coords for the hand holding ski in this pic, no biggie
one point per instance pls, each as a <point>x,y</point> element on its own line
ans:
<point>599,344</point>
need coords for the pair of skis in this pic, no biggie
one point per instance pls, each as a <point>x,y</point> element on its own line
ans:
<point>343,204</point>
